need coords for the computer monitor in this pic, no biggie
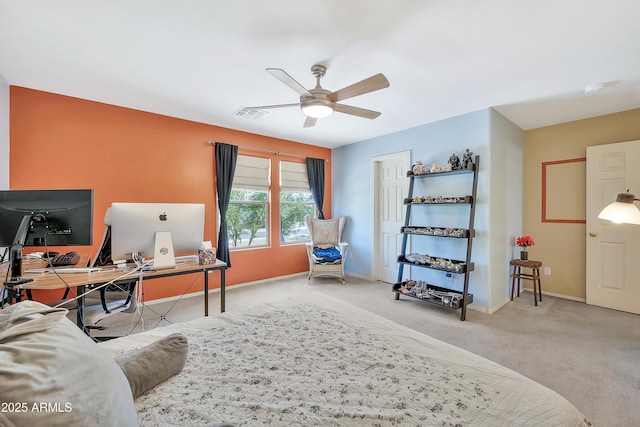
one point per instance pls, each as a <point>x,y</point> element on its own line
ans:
<point>44,218</point>
<point>138,230</point>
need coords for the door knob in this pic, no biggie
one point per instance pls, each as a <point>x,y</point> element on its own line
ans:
<point>593,233</point>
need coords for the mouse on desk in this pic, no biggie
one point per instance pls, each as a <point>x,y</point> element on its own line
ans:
<point>50,254</point>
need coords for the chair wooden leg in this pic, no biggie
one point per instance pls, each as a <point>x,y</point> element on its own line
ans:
<point>535,286</point>
<point>513,282</point>
<point>536,281</point>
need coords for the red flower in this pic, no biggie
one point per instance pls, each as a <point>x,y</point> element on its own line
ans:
<point>525,241</point>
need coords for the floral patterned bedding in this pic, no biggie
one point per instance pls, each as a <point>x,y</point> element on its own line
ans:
<point>314,360</point>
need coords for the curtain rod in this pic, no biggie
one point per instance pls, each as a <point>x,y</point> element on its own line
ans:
<point>269,151</point>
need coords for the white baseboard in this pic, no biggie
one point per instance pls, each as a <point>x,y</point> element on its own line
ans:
<point>553,294</point>
<point>488,310</point>
<point>217,290</point>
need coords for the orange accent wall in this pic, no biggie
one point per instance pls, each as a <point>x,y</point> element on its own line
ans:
<point>128,155</point>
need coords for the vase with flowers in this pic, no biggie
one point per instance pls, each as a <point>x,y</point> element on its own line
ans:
<point>524,242</point>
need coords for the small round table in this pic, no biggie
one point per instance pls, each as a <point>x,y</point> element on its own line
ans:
<point>518,264</point>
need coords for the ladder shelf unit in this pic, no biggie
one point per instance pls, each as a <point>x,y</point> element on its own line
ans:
<point>430,293</point>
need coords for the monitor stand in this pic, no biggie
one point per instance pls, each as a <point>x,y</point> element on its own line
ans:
<point>163,256</point>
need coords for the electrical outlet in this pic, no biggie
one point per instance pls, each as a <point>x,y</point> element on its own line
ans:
<point>547,271</point>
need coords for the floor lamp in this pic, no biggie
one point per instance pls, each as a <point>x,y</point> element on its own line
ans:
<point>623,210</point>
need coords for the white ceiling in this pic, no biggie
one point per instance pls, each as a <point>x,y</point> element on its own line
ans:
<point>202,60</point>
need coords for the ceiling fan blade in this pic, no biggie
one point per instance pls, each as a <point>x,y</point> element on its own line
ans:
<point>356,111</point>
<point>266,107</point>
<point>309,122</point>
<point>371,84</point>
<point>288,80</point>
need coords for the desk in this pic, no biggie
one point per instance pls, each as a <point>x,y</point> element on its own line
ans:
<point>49,281</point>
<point>518,264</point>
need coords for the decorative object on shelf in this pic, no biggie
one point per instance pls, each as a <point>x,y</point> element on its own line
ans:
<point>467,162</point>
<point>435,168</point>
<point>447,167</point>
<point>418,169</point>
<point>420,289</point>
<point>524,242</point>
<point>454,160</point>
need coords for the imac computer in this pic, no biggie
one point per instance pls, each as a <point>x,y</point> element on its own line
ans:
<point>43,218</point>
<point>156,230</point>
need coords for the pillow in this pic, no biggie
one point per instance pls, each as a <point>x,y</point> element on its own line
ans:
<point>324,232</point>
<point>149,366</point>
<point>52,374</point>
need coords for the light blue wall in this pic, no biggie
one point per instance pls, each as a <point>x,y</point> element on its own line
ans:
<point>4,134</point>
<point>506,212</point>
<point>499,204</point>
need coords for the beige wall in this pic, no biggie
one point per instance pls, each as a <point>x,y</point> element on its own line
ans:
<point>561,246</point>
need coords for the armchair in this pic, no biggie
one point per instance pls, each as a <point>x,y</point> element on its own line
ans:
<point>326,253</point>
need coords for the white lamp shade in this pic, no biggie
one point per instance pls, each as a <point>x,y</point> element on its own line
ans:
<point>620,212</point>
<point>317,111</point>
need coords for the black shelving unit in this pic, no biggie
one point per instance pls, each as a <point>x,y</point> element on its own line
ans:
<point>429,293</point>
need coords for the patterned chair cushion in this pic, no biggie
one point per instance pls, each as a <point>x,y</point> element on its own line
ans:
<point>325,233</point>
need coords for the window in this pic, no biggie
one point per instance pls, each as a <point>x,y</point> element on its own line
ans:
<point>247,216</point>
<point>296,202</point>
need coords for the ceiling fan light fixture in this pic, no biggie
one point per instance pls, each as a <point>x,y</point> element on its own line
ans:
<point>317,108</point>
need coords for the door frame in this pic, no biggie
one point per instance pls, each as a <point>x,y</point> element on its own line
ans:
<point>375,200</point>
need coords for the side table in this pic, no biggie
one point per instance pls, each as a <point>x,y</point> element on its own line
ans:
<point>518,264</point>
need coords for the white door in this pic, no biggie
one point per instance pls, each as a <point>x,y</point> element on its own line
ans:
<point>391,189</point>
<point>613,250</point>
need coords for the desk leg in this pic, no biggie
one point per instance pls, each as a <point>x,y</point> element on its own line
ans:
<point>80,311</point>
<point>206,292</point>
<point>513,282</point>
<point>222,289</point>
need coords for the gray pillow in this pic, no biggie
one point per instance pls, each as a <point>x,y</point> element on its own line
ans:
<point>52,374</point>
<point>147,367</point>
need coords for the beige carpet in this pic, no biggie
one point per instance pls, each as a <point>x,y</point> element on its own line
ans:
<point>590,355</point>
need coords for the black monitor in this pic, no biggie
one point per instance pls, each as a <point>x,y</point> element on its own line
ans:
<point>44,218</point>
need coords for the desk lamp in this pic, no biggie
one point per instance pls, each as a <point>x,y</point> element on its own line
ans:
<point>622,210</point>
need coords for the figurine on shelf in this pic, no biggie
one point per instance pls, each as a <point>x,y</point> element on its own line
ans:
<point>467,162</point>
<point>418,169</point>
<point>447,167</point>
<point>455,161</point>
<point>435,168</point>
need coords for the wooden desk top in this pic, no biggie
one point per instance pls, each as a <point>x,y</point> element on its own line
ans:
<point>52,281</point>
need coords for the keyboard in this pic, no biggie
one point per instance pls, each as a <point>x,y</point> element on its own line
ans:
<point>70,258</point>
<point>72,270</point>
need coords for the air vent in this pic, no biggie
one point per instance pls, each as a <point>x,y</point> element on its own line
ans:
<point>249,113</point>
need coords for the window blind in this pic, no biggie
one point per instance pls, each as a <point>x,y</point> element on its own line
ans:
<point>293,177</point>
<point>252,173</point>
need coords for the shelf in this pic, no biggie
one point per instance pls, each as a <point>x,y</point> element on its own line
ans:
<point>419,289</point>
<point>459,267</point>
<point>410,174</point>
<point>437,295</point>
<point>439,200</point>
<point>455,233</point>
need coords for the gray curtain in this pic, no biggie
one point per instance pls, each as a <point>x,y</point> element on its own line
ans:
<point>226,157</point>
<point>315,172</point>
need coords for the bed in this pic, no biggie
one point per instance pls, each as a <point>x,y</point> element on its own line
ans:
<point>314,360</point>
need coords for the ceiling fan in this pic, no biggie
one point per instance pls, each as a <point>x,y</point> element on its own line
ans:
<point>317,103</point>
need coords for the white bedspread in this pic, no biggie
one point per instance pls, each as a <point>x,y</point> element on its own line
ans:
<point>314,360</point>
